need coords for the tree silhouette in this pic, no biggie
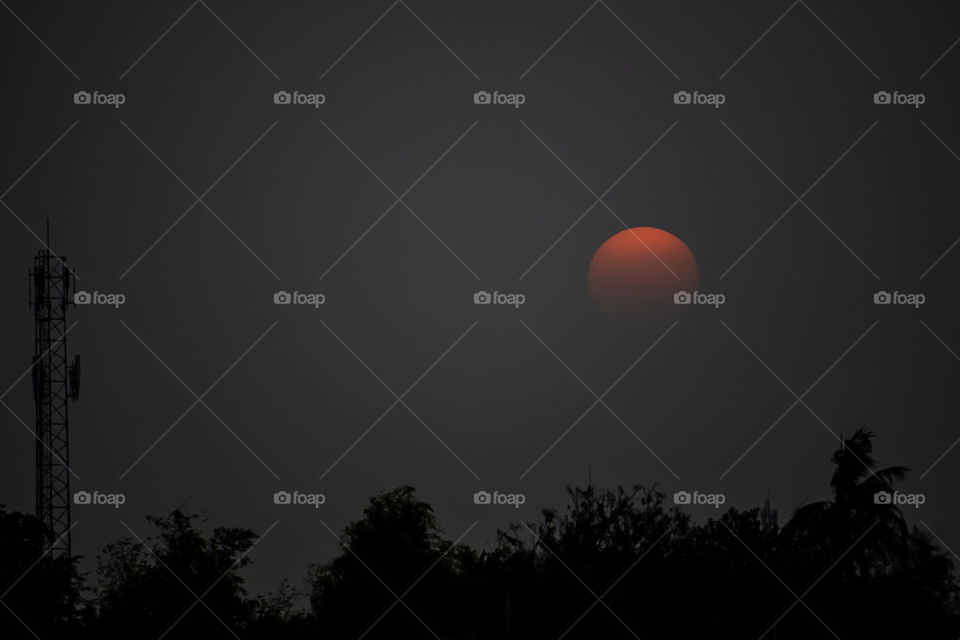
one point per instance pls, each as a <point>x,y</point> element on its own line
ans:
<point>39,594</point>
<point>154,587</point>
<point>611,564</point>
<point>854,509</point>
<point>395,551</point>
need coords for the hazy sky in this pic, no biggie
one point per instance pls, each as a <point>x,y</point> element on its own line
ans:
<point>799,196</point>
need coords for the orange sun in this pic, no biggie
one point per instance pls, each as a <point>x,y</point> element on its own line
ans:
<point>635,274</point>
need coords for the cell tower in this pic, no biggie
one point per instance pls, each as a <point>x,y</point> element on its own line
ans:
<point>54,383</point>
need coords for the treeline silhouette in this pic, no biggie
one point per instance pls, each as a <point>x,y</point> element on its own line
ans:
<point>612,564</point>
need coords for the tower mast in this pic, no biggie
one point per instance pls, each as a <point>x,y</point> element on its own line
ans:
<point>55,381</point>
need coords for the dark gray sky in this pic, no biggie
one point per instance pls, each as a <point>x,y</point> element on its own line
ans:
<point>292,201</point>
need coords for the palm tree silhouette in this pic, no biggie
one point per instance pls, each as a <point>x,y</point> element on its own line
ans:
<point>862,502</point>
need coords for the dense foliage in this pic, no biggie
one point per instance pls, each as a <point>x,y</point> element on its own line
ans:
<point>612,564</point>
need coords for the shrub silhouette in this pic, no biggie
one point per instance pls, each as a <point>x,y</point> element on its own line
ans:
<point>612,564</point>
